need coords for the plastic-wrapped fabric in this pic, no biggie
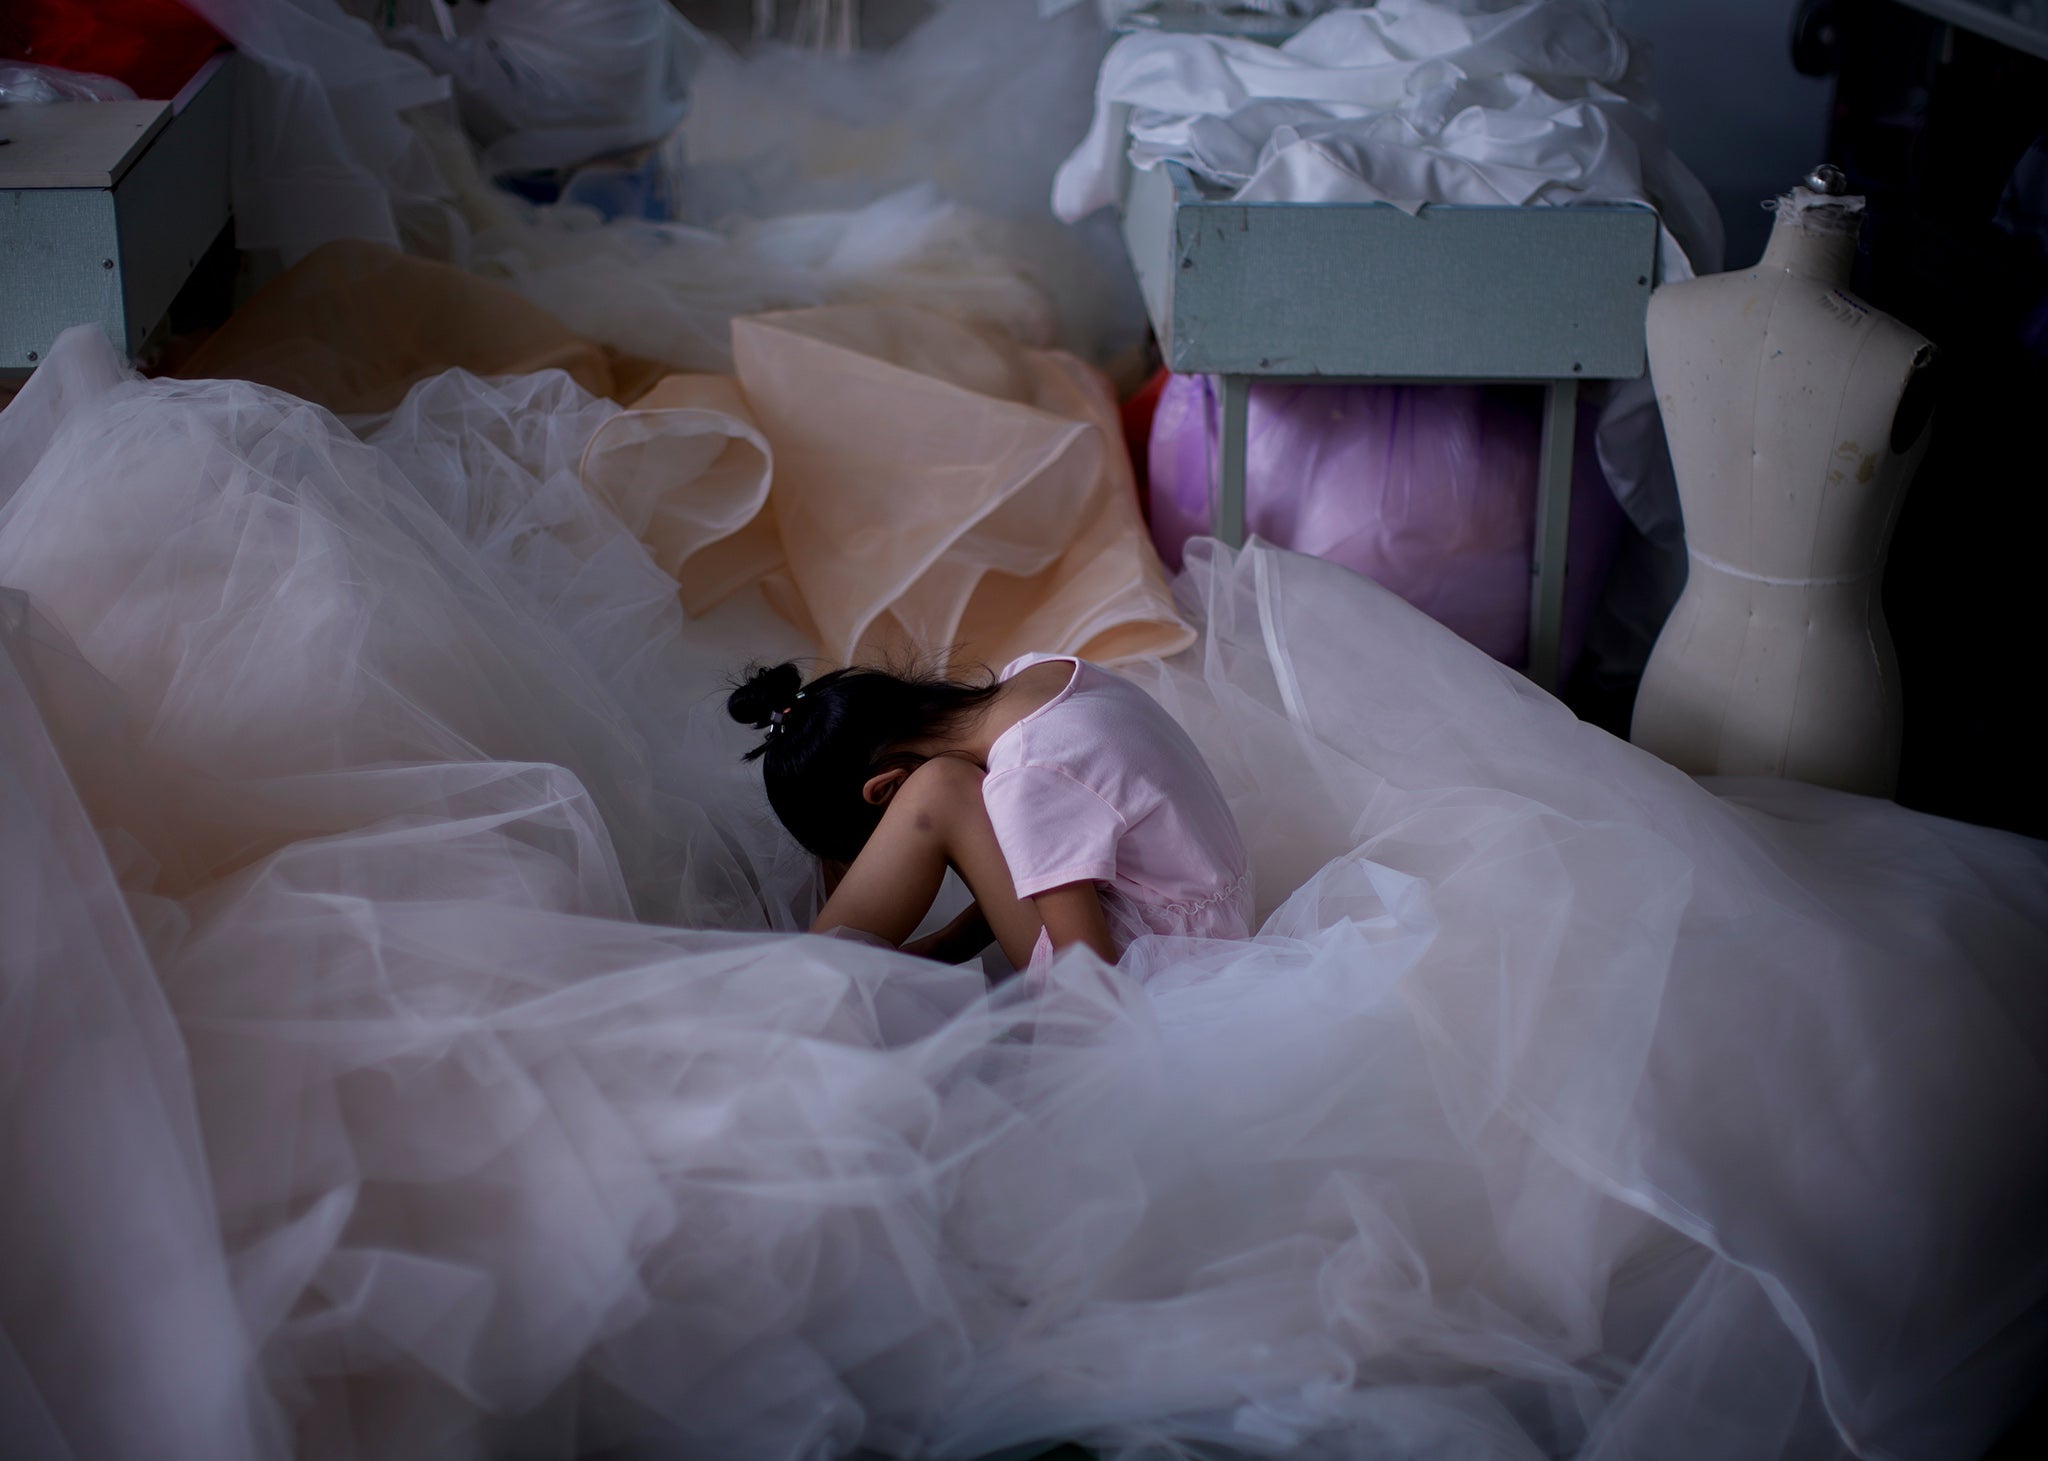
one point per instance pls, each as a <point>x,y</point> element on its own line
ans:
<point>1405,102</point>
<point>1427,490</point>
<point>152,46</point>
<point>551,83</point>
<point>1562,1106</point>
<point>23,85</point>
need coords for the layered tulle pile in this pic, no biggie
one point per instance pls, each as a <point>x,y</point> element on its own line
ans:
<point>407,1054</point>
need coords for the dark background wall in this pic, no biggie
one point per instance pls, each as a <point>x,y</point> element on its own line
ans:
<point>1744,120</point>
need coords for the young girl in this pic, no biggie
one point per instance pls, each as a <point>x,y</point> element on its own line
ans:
<point>1071,805</point>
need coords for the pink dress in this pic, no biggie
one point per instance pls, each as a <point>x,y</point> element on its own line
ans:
<point>1101,785</point>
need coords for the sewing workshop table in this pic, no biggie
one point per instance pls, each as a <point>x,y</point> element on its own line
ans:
<point>1367,292</point>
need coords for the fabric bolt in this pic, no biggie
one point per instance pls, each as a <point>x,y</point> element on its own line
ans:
<point>1405,102</point>
<point>1100,785</point>
<point>410,1051</point>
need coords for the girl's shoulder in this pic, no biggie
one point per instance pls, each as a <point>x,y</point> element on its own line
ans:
<point>1090,711</point>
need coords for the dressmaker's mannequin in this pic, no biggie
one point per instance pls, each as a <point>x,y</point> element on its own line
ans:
<point>1796,415</point>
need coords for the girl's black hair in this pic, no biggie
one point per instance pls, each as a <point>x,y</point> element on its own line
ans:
<point>825,740</point>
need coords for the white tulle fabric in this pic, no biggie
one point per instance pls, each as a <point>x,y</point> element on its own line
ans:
<point>1406,102</point>
<point>1562,1105</point>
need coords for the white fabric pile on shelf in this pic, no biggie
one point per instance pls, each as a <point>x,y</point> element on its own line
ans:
<point>1407,102</point>
<point>1563,1106</point>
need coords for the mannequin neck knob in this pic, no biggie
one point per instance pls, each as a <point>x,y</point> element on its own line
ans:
<point>1814,238</point>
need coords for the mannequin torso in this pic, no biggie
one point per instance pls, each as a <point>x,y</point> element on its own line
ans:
<point>1796,416</point>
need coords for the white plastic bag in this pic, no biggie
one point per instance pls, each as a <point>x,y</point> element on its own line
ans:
<point>25,84</point>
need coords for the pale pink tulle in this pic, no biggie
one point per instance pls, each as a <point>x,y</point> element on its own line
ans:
<point>1562,1105</point>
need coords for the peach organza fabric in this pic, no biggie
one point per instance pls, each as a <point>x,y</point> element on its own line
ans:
<point>355,325</point>
<point>896,480</point>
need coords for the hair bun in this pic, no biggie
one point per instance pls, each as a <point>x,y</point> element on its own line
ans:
<point>765,691</point>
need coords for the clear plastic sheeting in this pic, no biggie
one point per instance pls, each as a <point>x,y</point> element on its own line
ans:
<point>552,83</point>
<point>1405,102</point>
<point>1562,1105</point>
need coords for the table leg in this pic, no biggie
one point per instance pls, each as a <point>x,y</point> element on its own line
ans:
<point>1227,501</point>
<point>1553,525</point>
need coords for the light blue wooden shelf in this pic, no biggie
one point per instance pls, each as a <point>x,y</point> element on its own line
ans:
<point>108,206</point>
<point>1367,291</point>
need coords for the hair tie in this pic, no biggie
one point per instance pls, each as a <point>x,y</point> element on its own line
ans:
<point>776,718</point>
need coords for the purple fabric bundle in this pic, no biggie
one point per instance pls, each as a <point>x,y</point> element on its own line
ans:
<point>1428,490</point>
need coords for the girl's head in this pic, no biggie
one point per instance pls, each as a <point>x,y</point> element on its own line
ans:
<point>827,740</point>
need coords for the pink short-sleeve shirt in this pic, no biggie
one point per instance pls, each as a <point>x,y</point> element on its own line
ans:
<point>1101,785</point>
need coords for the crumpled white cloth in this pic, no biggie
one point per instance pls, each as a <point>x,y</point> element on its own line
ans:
<point>1408,102</point>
